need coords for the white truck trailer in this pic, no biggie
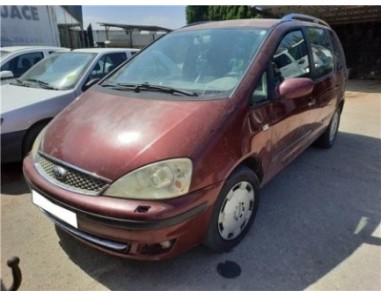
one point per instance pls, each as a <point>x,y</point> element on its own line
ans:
<point>31,25</point>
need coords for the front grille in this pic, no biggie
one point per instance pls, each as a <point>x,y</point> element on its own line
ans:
<point>72,179</point>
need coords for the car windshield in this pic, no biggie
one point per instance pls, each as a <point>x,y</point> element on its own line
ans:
<point>207,62</point>
<point>59,71</point>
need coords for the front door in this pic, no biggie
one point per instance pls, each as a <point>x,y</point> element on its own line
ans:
<point>292,119</point>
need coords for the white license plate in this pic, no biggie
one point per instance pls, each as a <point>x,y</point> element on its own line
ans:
<point>63,214</point>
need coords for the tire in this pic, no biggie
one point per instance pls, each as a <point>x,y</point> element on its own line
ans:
<point>234,211</point>
<point>328,138</point>
<point>30,137</point>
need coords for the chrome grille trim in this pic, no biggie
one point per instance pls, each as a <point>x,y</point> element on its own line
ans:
<point>76,180</point>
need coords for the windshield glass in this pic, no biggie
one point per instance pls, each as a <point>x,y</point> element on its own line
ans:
<point>60,70</point>
<point>209,62</point>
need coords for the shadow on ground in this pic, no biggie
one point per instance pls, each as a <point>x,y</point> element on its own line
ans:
<point>12,179</point>
<point>312,216</point>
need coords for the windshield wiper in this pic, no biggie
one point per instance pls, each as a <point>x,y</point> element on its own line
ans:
<point>165,89</point>
<point>19,82</point>
<point>146,86</point>
<point>36,80</point>
<point>41,83</point>
<point>109,85</point>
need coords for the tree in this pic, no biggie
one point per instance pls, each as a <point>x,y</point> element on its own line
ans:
<point>196,14</point>
<point>218,12</point>
<point>90,37</point>
<point>232,13</point>
<point>243,12</point>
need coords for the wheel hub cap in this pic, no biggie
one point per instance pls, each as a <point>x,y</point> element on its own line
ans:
<point>239,211</point>
<point>236,210</point>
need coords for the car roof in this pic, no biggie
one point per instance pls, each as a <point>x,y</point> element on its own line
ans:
<point>29,47</point>
<point>102,50</point>
<point>259,23</point>
<point>254,23</point>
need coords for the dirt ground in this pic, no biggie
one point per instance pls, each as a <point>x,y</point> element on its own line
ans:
<point>318,227</point>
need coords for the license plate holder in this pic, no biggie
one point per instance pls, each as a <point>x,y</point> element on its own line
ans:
<point>57,211</point>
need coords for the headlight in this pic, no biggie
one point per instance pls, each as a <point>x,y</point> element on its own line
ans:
<point>160,180</point>
<point>37,142</point>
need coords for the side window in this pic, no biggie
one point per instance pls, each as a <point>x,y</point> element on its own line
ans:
<point>115,59</point>
<point>322,53</point>
<point>20,64</point>
<point>291,56</point>
<point>260,94</point>
<point>7,66</point>
<point>106,64</point>
<point>338,51</point>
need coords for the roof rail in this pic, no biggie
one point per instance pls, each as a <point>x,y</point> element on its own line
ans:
<point>195,23</point>
<point>304,17</point>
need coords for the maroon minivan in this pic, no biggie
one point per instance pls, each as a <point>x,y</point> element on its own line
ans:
<point>170,149</point>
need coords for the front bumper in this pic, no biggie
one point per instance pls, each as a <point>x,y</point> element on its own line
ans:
<point>147,230</point>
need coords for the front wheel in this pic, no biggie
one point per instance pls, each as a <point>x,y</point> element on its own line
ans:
<point>234,211</point>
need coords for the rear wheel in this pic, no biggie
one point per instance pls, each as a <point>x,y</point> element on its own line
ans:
<point>328,138</point>
<point>234,211</point>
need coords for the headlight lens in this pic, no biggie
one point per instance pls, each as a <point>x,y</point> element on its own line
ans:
<point>160,180</point>
<point>37,142</point>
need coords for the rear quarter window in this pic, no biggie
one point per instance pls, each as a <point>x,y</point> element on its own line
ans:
<point>322,52</point>
<point>338,51</point>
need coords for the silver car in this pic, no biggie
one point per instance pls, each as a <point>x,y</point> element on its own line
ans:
<point>29,103</point>
<point>16,60</point>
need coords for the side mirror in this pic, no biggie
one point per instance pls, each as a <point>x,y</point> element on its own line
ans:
<point>6,74</point>
<point>293,88</point>
<point>90,83</point>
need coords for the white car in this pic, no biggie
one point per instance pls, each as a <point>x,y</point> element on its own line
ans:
<point>293,61</point>
<point>16,60</point>
<point>287,65</point>
<point>30,102</point>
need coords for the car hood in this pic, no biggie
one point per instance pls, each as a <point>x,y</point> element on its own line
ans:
<point>15,97</point>
<point>112,134</point>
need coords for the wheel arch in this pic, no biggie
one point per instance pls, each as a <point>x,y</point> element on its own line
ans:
<point>255,165</point>
<point>37,125</point>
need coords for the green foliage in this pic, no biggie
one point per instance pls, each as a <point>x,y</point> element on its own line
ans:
<point>196,14</point>
<point>243,12</point>
<point>218,12</point>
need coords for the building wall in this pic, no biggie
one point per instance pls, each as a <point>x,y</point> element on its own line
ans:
<point>69,27</point>
<point>75,11</point>
<point>118,38</point>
